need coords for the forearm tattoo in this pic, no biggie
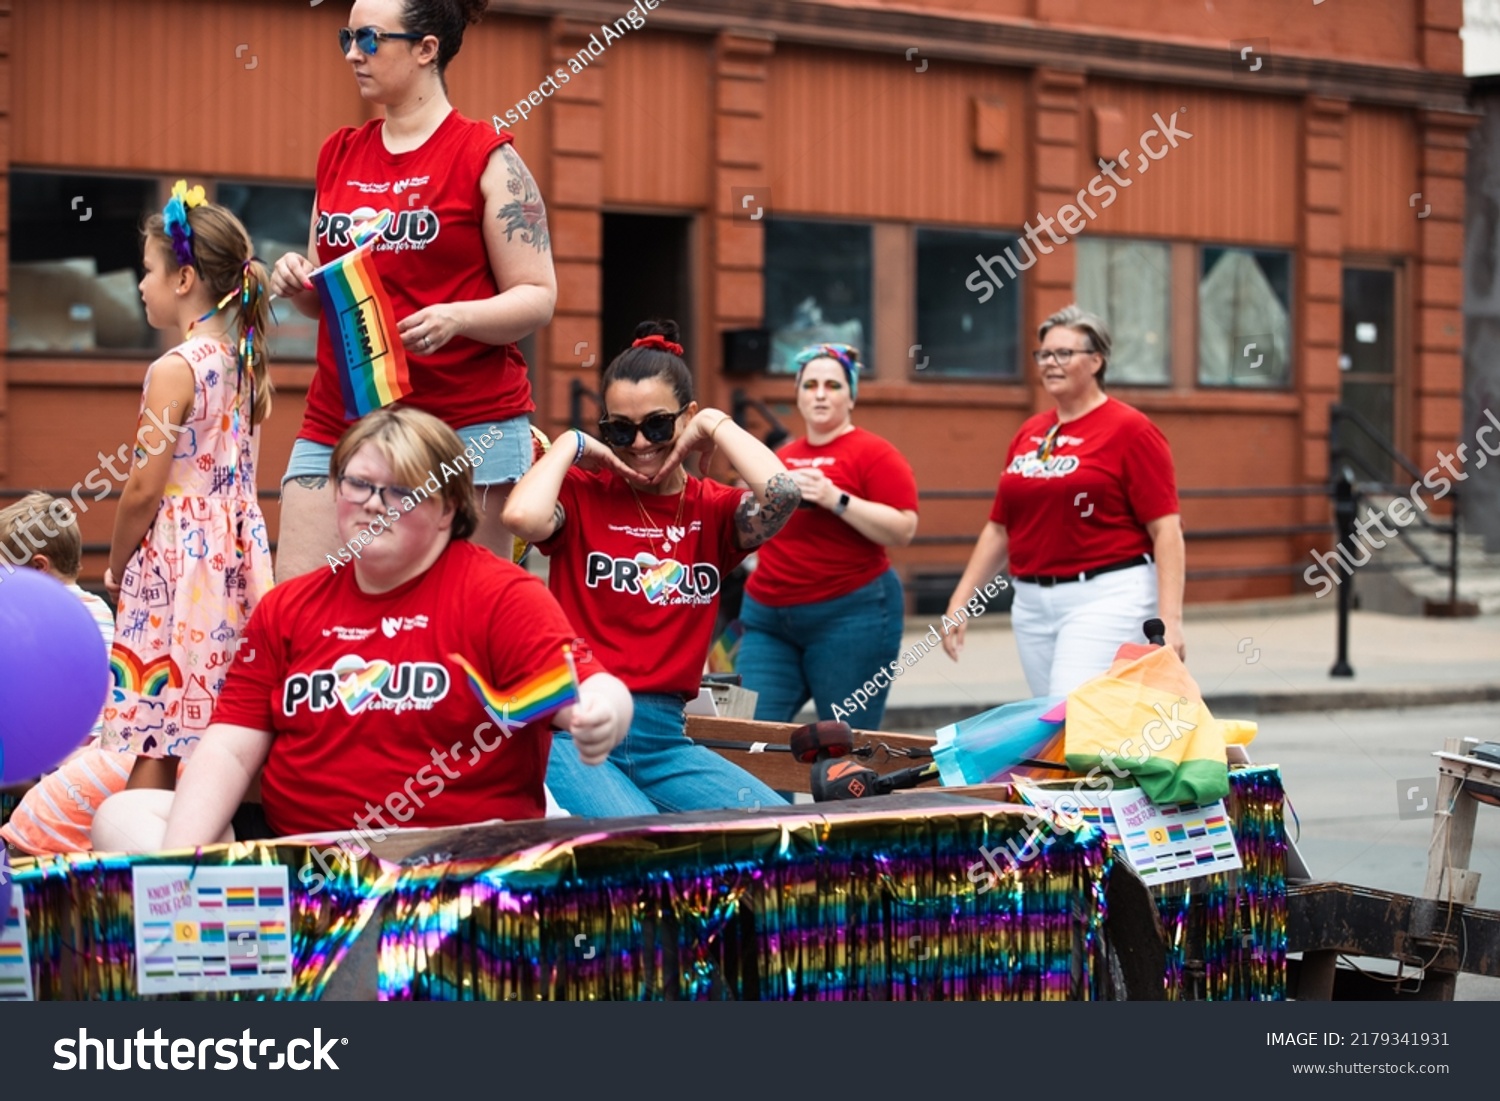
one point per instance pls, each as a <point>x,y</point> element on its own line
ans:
<point>525,214</point>
<point>559,515</point>
<point>756,522</point>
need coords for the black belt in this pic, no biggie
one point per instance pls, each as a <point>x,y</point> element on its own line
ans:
<point>1048,582</point>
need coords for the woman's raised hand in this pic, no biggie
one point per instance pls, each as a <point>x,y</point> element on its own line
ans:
<point>597,455</point>
<point>817,488</point>
<point>290,275</point>
<point>697,436</point>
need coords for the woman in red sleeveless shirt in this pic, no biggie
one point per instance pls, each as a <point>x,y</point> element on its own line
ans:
<point>823,609</point>
<point>466,262</point>
<point>638,552</point>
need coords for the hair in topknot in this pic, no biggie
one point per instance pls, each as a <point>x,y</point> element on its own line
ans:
<point>445,20</point>
<point>639,364</point>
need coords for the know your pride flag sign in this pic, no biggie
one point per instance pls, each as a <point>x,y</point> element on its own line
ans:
<point>362,324</point>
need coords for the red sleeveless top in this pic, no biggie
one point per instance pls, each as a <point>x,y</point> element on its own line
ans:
<point>432,252</point>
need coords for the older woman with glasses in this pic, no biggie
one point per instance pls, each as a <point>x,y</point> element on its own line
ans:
<point>465,259</point>
<point>823,608</point>
<point>639,551</point>
<point>348,687</point>
<point>1086,516</point>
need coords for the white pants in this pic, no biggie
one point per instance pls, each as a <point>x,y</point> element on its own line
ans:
<point>1068,634</point>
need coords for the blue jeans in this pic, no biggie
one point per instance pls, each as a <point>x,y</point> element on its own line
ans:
<point>655,768</point>
<point>503,450</point>
<point>823,651</point>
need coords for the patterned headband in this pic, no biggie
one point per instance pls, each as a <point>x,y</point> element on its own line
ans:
<point>175,215</point>
<point>845,355</point>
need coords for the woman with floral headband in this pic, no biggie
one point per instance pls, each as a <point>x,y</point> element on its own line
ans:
<point>189,559</point>
<point>465,260</point>
<point>823,608</point>
<point>639,551</point>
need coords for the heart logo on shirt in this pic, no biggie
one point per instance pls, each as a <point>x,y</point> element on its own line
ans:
<point>358,681</point>
<point>659,579</point>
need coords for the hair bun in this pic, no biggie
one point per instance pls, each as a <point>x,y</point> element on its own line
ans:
<point>663,328</point>
<point>472,11</point>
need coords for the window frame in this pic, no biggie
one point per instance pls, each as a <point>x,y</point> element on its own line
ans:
<point>1022,347</point>
<point>869,347</point>
<point>1289,383</point>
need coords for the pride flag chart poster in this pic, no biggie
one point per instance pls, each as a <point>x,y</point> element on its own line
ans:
<point>1174,841</point>
<point>15,951</point>
<point>200,928</point>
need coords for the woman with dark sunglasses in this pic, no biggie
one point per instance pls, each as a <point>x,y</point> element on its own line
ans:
<point>465,260</point>
<point>639,550</point>
<point>823,608</point>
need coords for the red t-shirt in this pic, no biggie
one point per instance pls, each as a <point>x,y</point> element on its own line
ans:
<point>433,252</point>
<point>310,670</point>
<point>644,596</point>
<point>1110,473</point>
<point>818,556</point>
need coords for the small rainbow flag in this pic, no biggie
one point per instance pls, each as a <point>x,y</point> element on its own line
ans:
<point>371,360</point>
<point>533,699</point>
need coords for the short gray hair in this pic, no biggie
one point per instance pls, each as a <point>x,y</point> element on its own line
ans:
<point>1090,325</point>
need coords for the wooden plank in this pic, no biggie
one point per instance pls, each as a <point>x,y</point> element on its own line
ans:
<point>1452,822</point>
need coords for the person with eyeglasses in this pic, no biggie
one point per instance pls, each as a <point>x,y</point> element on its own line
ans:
<point>466,260</point>
<point>823,608</point>
<point>1086,517</point>
<point>345,686</point>
<point>639,550</point>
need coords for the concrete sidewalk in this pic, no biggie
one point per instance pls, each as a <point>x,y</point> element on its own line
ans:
<point>1247,659</point>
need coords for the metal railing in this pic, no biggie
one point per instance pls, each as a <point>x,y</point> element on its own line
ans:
<point>1349,491</point>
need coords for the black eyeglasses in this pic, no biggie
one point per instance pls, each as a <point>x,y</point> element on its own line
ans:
<point>657,428</point>
<point>368,38</point>
<point>1060,356</point>
<point>357,491</point>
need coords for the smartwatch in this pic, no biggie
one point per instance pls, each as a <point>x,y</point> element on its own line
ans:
<point>843,503</point>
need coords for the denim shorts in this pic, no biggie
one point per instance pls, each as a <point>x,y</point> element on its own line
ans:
<point>503,447</point>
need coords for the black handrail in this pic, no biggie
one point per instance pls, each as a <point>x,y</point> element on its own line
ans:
<point>741,402</point>
<point>1348,492</point>
<point>577,391</point>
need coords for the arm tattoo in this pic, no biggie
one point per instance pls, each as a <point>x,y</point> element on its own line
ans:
<point>525,214</point>
<point>312,481</point>
<point>756,522</point>
<point>559,516</point>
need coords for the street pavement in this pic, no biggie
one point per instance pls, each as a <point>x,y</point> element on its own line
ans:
<point>1262,658</point>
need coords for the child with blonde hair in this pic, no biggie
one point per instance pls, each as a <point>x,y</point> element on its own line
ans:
<point>39,532</point>
<point>190,556</point>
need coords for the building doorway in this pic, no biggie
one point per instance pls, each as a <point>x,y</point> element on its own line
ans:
<point>646,273</point>
<point>1368,366</point>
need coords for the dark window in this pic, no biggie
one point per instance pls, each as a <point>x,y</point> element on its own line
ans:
<point>958,335</point>
<point>1128,284</point>
<point>817,286</point>
<point>277,219</point>
<point>1245,318</point>
<point>75,262</point>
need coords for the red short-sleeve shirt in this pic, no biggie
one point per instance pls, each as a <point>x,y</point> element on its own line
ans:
<point>1109,474</point>
<point>432,252</point>
<point>818,556</point>
<point>366,705</point>
<point>644,593</point>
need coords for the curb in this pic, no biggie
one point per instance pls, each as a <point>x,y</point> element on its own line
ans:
<point>908,719</point>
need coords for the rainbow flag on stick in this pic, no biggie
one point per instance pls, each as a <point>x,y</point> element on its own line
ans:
<point>548,691</point>
<point>362,324</point>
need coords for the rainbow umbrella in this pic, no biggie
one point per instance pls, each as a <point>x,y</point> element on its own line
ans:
<point>1002,742</point>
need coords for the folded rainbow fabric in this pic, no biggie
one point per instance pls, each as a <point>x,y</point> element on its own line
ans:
<point>362,324</point>
<point>1147,715</point>
<point>532,699</point>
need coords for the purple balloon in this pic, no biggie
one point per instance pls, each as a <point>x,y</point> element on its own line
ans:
<point>54,673</point>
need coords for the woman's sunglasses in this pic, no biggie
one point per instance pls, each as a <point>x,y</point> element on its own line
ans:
<point>657,428</point>
<point>368,38</point>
